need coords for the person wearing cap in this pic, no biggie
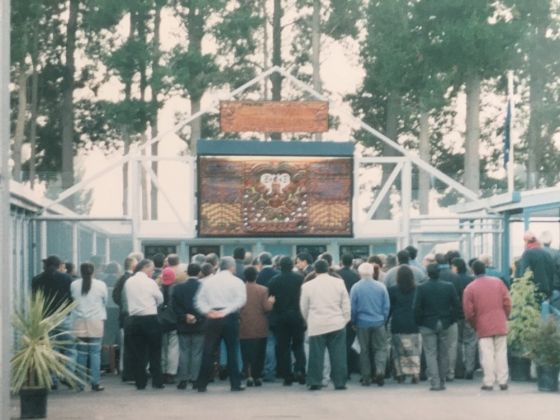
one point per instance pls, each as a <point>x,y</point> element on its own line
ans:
<point>539,262</point>
<point>170,343</point>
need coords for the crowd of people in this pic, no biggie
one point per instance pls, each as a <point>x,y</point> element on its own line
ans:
<point>257,320</point>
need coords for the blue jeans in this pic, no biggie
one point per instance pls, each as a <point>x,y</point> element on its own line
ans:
<point>89,349</point>
<point>67,344</point>
<point>269,373</point>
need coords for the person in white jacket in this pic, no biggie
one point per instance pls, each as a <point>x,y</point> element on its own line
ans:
<point>325,306</point>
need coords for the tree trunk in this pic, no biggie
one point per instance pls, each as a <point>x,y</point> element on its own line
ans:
<point>155,106</point>
<point>392,112</point>
<point>68,100</point>
<point>195,28</point>
<point>126,140</point>
<point>316,50</point>
<point>425,155</point>
<point>264,13</point>
<point>126,134</point>
<point>472,135</point>
<point>537,79</point>
<point>20,123</point>
<point>276,78</point>
<point>34,112</point>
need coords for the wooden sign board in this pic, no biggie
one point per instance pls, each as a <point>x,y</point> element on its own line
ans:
<point>274,117</point>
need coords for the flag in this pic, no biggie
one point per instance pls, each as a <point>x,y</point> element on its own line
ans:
<point>507,134</point>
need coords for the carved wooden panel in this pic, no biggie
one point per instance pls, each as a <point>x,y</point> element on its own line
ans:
<point>274,117</point>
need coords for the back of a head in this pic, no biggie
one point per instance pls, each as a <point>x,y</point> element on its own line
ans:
<point>286,264</point>
<point>529,237</point>
<point>70,267</point>
<point>347,260</point>
<point>158,260</point>
<point>239,253</point>
<point>198,259</point>
<point>86,270</point>
<point>250,273</point>
<point>130,263</point>
<point>366,270</point>
<point>305,256</point>
<point>213,259</point>
<point>193,270</point>
<point>143,264</point>
<point>451,255</point>
<point>265,258</point>
<point>173,260</point>
<point>321,266</point>
<point>485,259</point>
<point>113,268</point>
<point>325,256</point>
<point>405,278</point>
<point>206,269</point>
<point>375,259</point>
<point>460,265</point>
<point>412,252</point>
<point>227,263</point>
<point>51,263</point>
<point>478,268</point>
<point>433,271</point>
<point>139,256</point>
<point>391,261</point>
<point>403,257</point>
<point>441,259</point>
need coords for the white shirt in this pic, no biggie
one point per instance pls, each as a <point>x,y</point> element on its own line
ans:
<point>325,304</point>
<point>92,305</point>
<point>142,295</point>
<point>222,291</point>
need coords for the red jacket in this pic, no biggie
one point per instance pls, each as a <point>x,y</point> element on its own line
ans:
<point>487,304</point>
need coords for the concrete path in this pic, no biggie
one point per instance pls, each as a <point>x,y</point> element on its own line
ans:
<point>463,400</point>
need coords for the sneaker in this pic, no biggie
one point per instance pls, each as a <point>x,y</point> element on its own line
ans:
<point>97,388</point>
<point>486,388</point>
<point>237,388</point>
<point>437,388</point>
<point>504,387</point>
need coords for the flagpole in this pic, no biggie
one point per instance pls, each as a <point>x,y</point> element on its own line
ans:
<point>511,160</point>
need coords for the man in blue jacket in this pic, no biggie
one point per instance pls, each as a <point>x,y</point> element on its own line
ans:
<point>370,306</point>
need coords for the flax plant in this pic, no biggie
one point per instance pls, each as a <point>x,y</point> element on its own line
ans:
<point>38,355</point>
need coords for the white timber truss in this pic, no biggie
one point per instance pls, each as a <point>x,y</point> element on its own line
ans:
<point>185,226</point>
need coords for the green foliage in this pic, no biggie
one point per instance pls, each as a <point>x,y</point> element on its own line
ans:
<point>544,343</point>
<point>525,316</point>
<point>37,356</point>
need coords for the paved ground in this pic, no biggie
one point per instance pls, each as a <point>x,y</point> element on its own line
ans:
<point>463,400</point>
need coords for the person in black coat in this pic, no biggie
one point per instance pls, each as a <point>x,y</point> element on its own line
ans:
<point>350,277</point>
<point>290,327</point>
<point>435,311</point>
<point>190,324</point>
<point>540,262</point>
<point>239,257</point>
<point>55,286</point>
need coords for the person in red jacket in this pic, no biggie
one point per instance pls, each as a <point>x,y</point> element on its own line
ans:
<point>487,305</point>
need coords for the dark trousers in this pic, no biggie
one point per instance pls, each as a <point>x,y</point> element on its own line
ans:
<point>335,342</point>
<point>253,352</point>
<point>144,336</point>
<point>290,336</point>
<point>228,329</point>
